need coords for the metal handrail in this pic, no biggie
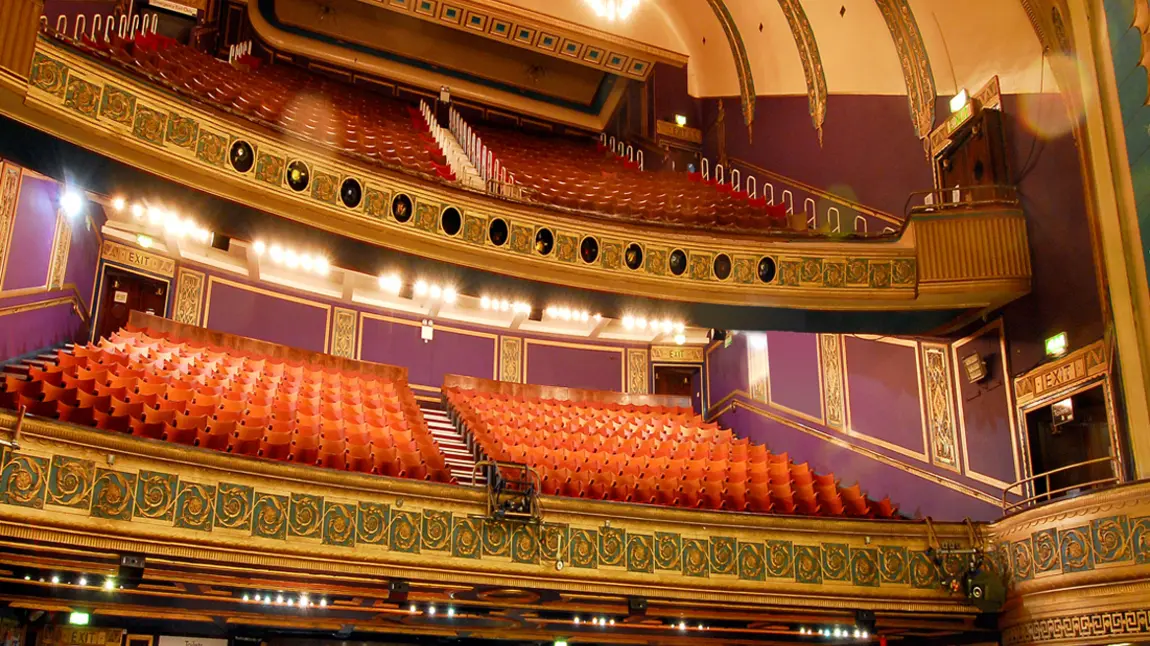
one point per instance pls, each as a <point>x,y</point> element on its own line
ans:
<point>961,197</point>
<point>1007,507</point>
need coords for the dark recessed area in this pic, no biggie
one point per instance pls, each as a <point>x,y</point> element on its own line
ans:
<point>767,269</point>
<point>544,241</point>
<point>350,192</point>
<point>722,266</point>
<point>451,221</point>
<point>589,249</point>
<point>241,156</point>
<point>298,175</point>
<point>401,208</point>
<point>633,257</point>
<point>497,231</point>
<point>678,262</point>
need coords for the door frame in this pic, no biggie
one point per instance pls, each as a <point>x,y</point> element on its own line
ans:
<point>696,366</point>
<point>100,276</point>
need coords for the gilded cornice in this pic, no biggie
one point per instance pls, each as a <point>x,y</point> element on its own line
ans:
<point>739,57</point>
<point>808,48</point>
<point>124,493</point>
<point>80,100</point>
<point>907,39</point>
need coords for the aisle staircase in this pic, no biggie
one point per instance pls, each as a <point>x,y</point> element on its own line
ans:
<point>458,457</point>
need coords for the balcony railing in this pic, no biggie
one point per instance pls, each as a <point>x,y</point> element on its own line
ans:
<point>1051,494</point>
<point>961,197</point>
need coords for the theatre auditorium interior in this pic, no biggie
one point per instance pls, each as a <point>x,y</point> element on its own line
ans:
<point>559,322</point>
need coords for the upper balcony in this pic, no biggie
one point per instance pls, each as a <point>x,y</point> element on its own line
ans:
<point>368,167</point>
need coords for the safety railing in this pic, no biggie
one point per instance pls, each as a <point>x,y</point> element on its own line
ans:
<point>1009,506</point>
<point>496,178</point>
<point>961,197</point>
<point>99,27</point>
<point>622,149</point>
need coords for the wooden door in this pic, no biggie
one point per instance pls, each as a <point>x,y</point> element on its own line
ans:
<point>124,292</point>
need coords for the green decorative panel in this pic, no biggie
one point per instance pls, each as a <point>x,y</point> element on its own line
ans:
<point>212,149</point>
<point>611,543</point>
<point>304,516</point>
<point>640,553</point>
<point>752,566</point>
<point>338,524</point>
<point>1140,539</point>
<point>695,559</point>
<point>923,573</point>
<point>436,530</point>
<point>893,564</point>
<point>113,494</point>
<point>522,238</point>
<point>903,272</point>
<point>656,262</point>
<point>156,495</point>
<point>1075,548</point>
<point>699,267</point>
<point>566,247</point>
<point>24,481</point>
<point>474,229</point>
<point>269,168</point>
<point>836,562</point>
<point>183,131</point>
<point>405,531</point>
<point>612,255</point>
<point>723,560</point>
<point>864,567</point>
<point>194,506</point>
<point>325,187</point>
<point>234,506</point>
<point>117,105</point>
<point>556,540</point>
<point>371,523</point>
<point>427,217</point>
<point>788,275</point>
<point>149,125</point>
<point>810,271</point>
<point>465,539</point>
<point>49,75</point>
<point>83,97</point>
<point>668,551</point>
<point>270,516</point>
<point>70,482</point>
<point>584,548</point>
<point>834,274</point>
<point>1046,556</point>
<point>808,564</point>
<point>744,271</point>
<point>1110,538</point>
<point>496,539</point>
<point>780,559</point>
<point>377,204</point>
<point>524,544</point>
<point>880,274</point>
<point>857,272</point>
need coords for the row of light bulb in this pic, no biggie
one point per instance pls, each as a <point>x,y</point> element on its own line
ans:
<point>266,598</point>
<point>504,305</point>
<point>836,632</point>
<point>109,583</point>
<point>169,220</point>
<point>435,292</point>
<point>563,313</point>
<point>431,610</point>
<point>293,259</point>
<point>667,326</point>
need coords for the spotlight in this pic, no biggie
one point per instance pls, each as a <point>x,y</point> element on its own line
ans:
<point>682,625</point>
<point>449,295</point>
<point>435,291</point>
<point>505,305</point>
<point>279,598</point>
<point>412,609</point>
<point>421,288</point>
<point>668,326</point>
<point>118,203</point>
<point>277,253</point>
<point>246,598</point>
<point>431,610</point>
<point>700,626</point>
<point>485,303</point>
<point>83,581</point>
<point>450,611</point>
<point>259,247</point>
<point>306,262</point>
<point>576,620</point>
<point>612,622</point>
<point>72,203</point>
<point>291,259</point>
<point>391,283</point>
<point>629,322</point>
<point>304,601</point>
<point>267,599</point>
<point>322,266</point>
<point>323,602</point>
<point>137,211</point>
<point>144,241</point>
<point>27,577</point>
<point>55,579</point>
<point>641,323</point>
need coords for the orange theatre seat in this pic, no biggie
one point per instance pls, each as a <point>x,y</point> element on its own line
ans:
<point>587,445</point>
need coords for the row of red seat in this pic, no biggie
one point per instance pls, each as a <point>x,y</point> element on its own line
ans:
<point>651,455</point>
<point>142,383</point>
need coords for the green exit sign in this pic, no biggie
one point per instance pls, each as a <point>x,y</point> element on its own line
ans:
<point>79,618</point>
<point>1057,345</point>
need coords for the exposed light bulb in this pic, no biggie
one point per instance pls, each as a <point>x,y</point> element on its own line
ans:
<point>259,247</point>
<point>421,288</point>
<point>431,610</point>
<point>641,323</point>
<point>629,322</point>
<point>291,259</point>
<point>323,602</point>
<point>412,609</point>
<point>55,579</point>
<point>137,211</point>
<point>680,339</point>
<point>322,266</point>
<point>144,241</point>
<point>485,303</point>
<point>450,611</point>
<point>118,203</point>
<point>449,295</point>
<point>277,253</point>
<point>83,580</point>
<point>391,283</point>
<point>72,203</point>
<point>306,263</point>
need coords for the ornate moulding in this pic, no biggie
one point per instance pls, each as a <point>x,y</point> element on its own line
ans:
<point>157,498</point>
<point>80,100</point>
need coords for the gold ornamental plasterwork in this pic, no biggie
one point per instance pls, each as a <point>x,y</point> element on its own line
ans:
<point>1067,372</point>
<point>511,359</point>
<point>676,354</point>
<point>940,406</point>
<point>9,193</point>
<point>126,255</point>
<point>189,296</point>
<point>61,245</point>
<point>57,635</point>
<point>638,362</point>
<point>831,359</point>
<point>343,332</point>
<point>675,131</point>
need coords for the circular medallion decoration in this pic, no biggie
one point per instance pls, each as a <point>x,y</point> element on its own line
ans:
<point>589,249</point>
<point>633,257</point>
<point>544,241</point>
<point>298,175</point>
<point>497,231</point>
<point>451,221</point>
<point>401,208</point>
<point>767,269</point>
<point>722,266</point>
<point>678,262</point>
<point>350,192</point>
<point>241,156</point>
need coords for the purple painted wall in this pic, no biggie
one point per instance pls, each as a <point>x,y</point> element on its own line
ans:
<point>25,332</point>
<point>32,233</point>
<point>726,369</point>
<point>988,427</point>
<point>883,391</point>
<point>553,365</point>
<point>247,313</point>
<point>449,352</point>
<point>793,360</point>
<point>84,256</point>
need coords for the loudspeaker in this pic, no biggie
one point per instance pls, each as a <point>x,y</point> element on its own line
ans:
<point>985,590</point>
<point>221,242</point>
<point>637,605</point>
<point>131,571</point>
<point>976,155</point>
<point>397,590</point>
<point>715,334</point>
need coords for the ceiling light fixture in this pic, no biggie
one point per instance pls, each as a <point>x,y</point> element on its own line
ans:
<point>612,10</point>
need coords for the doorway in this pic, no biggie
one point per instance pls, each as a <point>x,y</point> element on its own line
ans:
<point>680,381</point>
<point>1069,443</point>
<point>124,291</point>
